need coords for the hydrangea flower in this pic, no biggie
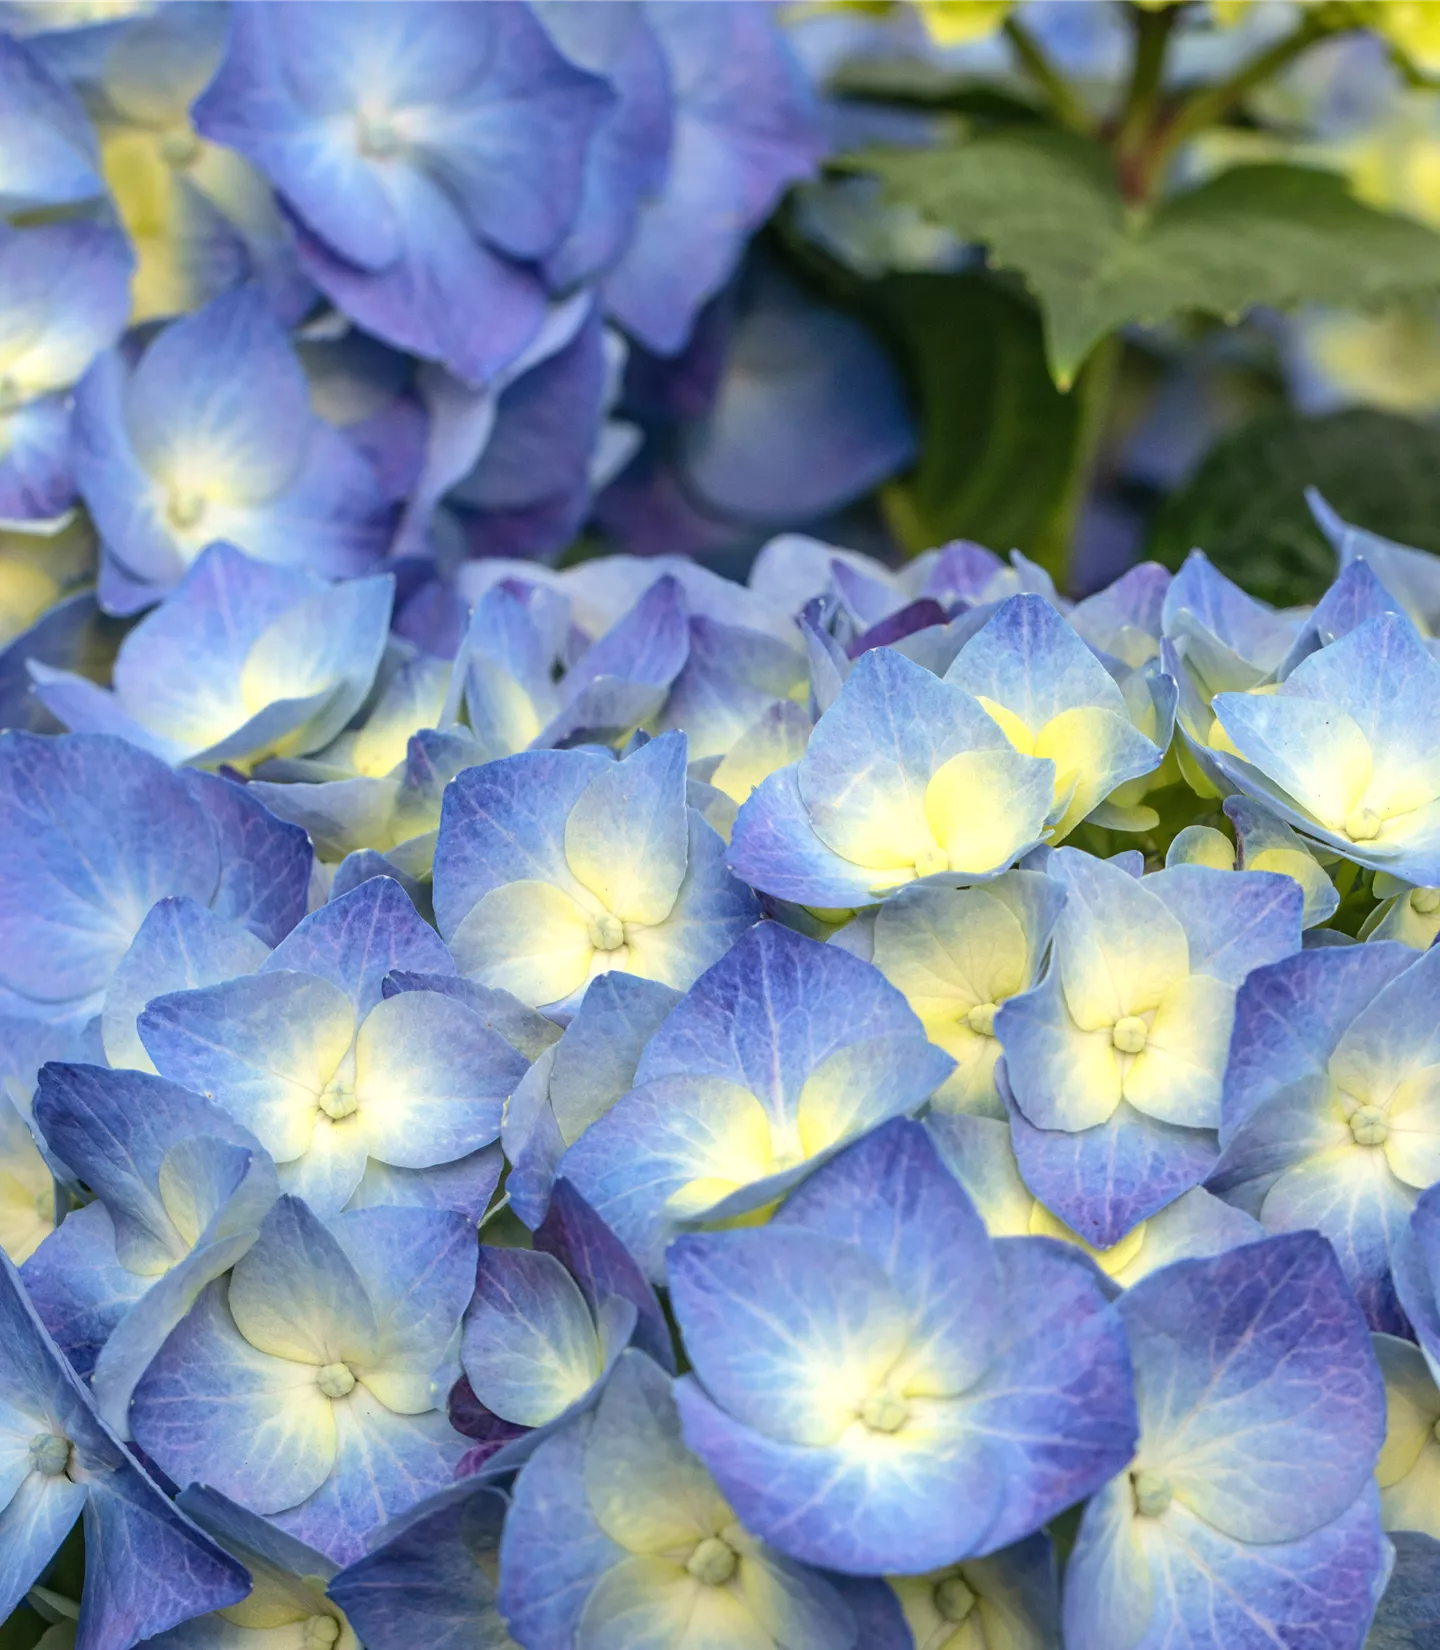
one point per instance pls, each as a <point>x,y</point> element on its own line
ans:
<point>879,1386</point>
<point>331,1075</point>
<point>553,867</point>
<point>617,1535</point>
<point>1343,750</point>
<point>744,127</point>
<point>64,293</point>
<point>241,661</point>
<point>905,776</point>
<point>978,1152</point>
<point>782,1053</point>
<point>1248,1515</point>
<point>28,1210</point>
<point>432,1571</point>
<point>1010,1599</point>
<point>72,901</point>
<point>147,1566</point>
<point>1408,1471</point>
<point>200,218</point>
<point>210,435</point>
<point>179,1193</point>
<point>1052,698</point>
<point>47,144</point>
<point>1327,1115</point>
<point>1116,1059</point>
<point>289,1605</point>
<point>576,1081</point>
<point>957,954</point>
<point>1262,843</point>
<point>305,1386</point>
<point>425,155</point>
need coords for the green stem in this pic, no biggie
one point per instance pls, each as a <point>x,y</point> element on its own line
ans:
<point>1211,104</point>
<point>1094,392</point>
<point>1059,93</point>
<point>1137,121</point>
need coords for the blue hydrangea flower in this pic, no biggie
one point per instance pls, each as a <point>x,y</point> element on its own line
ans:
<point>957,954</point>
<point>1411,1603</point>
<point>905,776</point>
<point>200,218</point>
<point>1010,1599</point>
<point>430,1571</point>
<point>332,1075</point>
<point>744,128</point>
<point>240,662</point>
<point>1116,1059</point>
<point>1247,1516</point>
<point>803,414</point>
<point>180,945</point>
<point>1344,748</point>
<point>288,1603</point>
<point>573,1083</point>
<point>73,900</point>
<point>521,684</point>
<point>147,1566</point>
<point>1410,915</point>
<point>781,1054</point>
<point>1328,1117</point>
<point>210,435</point>
<point>27,1187</point>
<point>64,294</point>
<point>425,154</point>
<point>618,1536</point>
<point>179,1193</point>
<point>1408,1471</point>
<point>48,154</point>
<point>979,1153</point>
<point>534,1350</point>
<point>881,1387</point>
<point>555,866</point>
<point>305,1385</point>
<point>630,150</point>
<point>1408,575</point>
<point>1262,843</point>
<point>1053,698</point>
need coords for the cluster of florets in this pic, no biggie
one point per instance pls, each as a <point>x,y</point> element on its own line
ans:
<point>988,1044</point>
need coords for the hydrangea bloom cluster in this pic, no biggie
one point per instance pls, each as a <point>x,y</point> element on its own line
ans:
<point>762,971</point>
<point>606,1107</point>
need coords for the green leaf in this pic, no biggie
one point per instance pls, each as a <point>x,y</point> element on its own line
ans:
<point>996,433</point>
<point>1245,506</point>
<point>1047,204</point>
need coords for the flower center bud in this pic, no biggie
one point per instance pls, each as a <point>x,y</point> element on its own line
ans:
<point>930,862</point>
<point>1152,1491</point>
<point>954,1599</point>
<point>338,1101</point>
<point>49,1454</point>
<point>713,1562</point>
<point>337,1381</point>
<point>607,932</point>
<point>1425,901</point>
<point>1363,824</point>
<point>320,1633</point>
<point>885,1411</point>
<point>9,393</point>
<point>1370,1126</point>
<point>185,509</point>
<point>376,137</point>
<point>981,1019</point>
<point>180,149</point>
<point>1129,1034</point>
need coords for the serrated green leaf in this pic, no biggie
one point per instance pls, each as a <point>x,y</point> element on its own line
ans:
<point>1245,506</point>
<point>1046,204</point>
<point>997,434</point>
